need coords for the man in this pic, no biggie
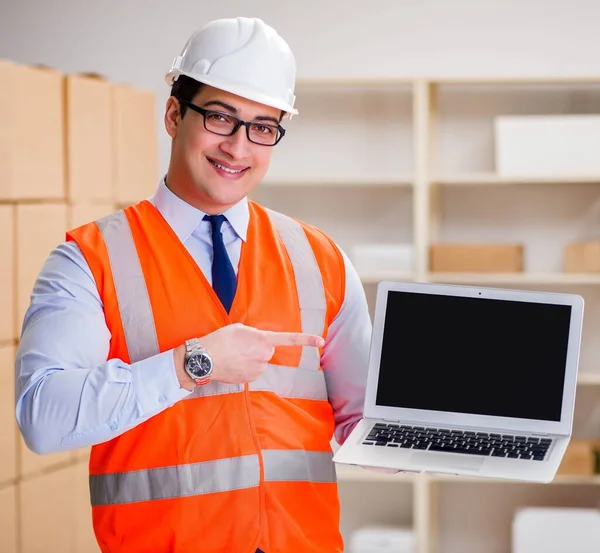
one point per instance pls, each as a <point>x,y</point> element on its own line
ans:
<point>206,347</point>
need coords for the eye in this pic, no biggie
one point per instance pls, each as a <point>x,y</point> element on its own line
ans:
<point>218,119</point>
<point>215,117</point>
<point>266,130</point>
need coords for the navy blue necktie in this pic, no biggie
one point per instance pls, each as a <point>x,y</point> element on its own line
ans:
<point>223,276</point>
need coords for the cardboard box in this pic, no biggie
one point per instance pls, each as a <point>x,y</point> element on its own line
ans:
<point>80,214</point>
<point>32,146</point>
<point>47,513</point>
<point>554,528</point>
<point>34,244</point>
<point>580,458</point>
<point>83,530</point>
<point>135,144</point>
<point>476,258</point>
<point>7,274</point>
<point>8,423</point>
<point>90,166</point>
<point>82,455</point>
<point>547,145</point>
<point>40,228</point>
<point>31,464</point>
<point>582,257</point>
<point>8,519</point>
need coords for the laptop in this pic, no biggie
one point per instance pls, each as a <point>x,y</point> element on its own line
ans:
<point>469,381</point>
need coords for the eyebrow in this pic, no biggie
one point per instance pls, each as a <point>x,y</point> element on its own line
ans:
<point>234,111</point>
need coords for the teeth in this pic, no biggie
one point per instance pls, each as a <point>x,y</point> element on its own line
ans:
<point>226,169</point>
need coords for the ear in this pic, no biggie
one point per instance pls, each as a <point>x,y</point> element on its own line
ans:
<point>172,119</point>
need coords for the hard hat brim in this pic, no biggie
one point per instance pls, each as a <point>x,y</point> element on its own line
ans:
<point>234,88</point>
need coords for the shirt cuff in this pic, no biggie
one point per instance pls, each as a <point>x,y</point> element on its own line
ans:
<point>156,384</point>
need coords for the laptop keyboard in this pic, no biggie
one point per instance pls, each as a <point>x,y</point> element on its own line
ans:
<point>458,441</point>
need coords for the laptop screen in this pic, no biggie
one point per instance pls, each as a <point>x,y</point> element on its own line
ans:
<point>474,355</point>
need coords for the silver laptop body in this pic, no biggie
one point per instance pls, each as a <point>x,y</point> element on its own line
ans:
<point>469,381</point>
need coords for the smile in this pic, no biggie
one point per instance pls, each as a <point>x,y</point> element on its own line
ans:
<point>227,169</point>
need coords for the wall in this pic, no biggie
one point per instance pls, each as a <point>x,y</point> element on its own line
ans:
<point>136,41</point>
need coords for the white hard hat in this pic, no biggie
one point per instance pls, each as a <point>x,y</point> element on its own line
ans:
<point>244,56</point>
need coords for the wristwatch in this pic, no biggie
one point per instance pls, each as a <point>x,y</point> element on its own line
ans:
<point>198,363</point>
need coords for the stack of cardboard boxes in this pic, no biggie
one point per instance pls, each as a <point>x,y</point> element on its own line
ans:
<point>73,148</point>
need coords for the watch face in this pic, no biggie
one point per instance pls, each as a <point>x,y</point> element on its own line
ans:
<point>199,365</point>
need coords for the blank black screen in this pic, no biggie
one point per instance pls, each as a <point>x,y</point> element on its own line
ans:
<point>474,355</point>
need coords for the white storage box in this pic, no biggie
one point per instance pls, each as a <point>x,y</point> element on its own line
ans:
<point>383,539</point>
<point>369,259</point>
<point>556,530</point>
<point>547,145</point>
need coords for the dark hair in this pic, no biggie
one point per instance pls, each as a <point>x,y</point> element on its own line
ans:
<point>185,88</point>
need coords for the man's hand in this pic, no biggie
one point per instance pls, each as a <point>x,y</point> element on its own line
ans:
<point>241,353</point>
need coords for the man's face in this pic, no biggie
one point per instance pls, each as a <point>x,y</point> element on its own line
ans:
<point>212,171</point>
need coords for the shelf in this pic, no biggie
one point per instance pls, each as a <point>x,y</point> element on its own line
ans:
<point>350,180</point>
<point>516,80</point>
<point>383,80</point>
<point>353,82</point>
<point>588,379</point>
<point>487,278</point>
<point>348,473</point>
<point>558,481</point>
<point>492,179</point>
<point>515,278</point>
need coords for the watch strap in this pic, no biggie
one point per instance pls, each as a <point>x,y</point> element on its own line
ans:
<point>192,347</point>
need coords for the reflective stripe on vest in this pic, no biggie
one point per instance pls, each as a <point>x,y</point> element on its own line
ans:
<point>130,286</point>
<point>306,381</point>
<point>285,381</point>
<point>211,476</point>
<point>309,283</point>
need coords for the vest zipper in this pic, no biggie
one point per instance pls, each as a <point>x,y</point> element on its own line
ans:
<point>261,490</point>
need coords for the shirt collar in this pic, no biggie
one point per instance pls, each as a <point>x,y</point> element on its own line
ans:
<point>183,218</point>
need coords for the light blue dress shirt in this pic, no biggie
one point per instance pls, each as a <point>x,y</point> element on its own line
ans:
<point>69,396</point>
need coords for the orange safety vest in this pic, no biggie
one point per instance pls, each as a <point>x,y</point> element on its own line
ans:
<point>231,467</point>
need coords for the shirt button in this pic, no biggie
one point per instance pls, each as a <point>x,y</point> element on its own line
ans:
<point>162,399</point>
<point>113,426</point>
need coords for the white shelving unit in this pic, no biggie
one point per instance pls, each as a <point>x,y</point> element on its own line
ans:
<point>525,279</point>
<point>411,161</point>
<point>351,180</point>
<point>491,179</point>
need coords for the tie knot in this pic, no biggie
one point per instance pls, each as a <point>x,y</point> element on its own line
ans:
<point>216,221</point>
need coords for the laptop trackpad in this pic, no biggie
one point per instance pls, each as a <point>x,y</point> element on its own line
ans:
<point>443,460</point>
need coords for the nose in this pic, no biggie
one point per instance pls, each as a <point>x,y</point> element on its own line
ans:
<point>237,145</point>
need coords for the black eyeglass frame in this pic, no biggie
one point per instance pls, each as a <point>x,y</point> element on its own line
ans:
<point>239,123</point>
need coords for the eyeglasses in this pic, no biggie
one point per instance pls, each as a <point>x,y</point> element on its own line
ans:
<point>224,124</point>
